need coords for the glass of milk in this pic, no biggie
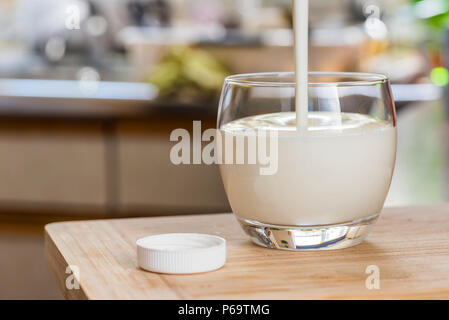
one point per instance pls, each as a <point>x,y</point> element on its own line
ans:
<point>319,183</point>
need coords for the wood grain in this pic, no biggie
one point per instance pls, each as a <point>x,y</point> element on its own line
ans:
<point>409,245</point>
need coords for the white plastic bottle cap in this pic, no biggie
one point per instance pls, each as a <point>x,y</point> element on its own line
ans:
<point>181,253</point>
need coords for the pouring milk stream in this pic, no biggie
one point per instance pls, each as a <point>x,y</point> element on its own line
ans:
<point>301,40</point>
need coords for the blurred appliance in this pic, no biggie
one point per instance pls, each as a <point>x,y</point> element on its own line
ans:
<point>82,32</point>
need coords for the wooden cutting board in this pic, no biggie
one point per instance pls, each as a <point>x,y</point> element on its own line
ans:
<point>409,247</point>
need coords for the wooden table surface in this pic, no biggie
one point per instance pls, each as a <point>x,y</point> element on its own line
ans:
<point>409,246</point>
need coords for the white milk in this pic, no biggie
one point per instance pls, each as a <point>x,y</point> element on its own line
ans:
<point>325,176</point>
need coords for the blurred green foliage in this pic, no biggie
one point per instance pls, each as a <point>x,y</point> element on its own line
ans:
<point>440,19</point>
<point>189,75</point>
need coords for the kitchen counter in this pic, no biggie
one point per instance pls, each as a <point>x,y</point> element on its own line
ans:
<point>103,153</point>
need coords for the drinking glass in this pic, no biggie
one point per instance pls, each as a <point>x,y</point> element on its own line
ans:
<point>317,185</point>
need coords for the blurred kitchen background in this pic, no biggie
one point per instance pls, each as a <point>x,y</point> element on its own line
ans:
<point>91,89</point>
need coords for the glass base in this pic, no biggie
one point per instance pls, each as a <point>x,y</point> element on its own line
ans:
<point>299,238</point>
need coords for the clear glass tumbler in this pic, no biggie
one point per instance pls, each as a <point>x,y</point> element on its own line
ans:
<point>319,185</point>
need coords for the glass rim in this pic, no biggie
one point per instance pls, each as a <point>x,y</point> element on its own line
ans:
<point>256,79</point>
